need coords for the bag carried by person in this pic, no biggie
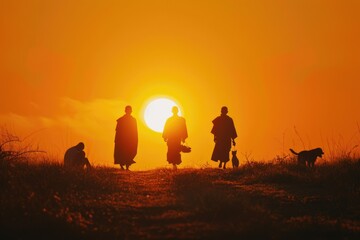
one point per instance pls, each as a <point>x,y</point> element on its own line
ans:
<point>185,149</point>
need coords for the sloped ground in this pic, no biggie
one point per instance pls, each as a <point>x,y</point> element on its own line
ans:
<point>272,201</point>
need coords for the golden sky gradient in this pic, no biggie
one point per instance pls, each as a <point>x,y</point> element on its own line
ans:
<point>68,68</point>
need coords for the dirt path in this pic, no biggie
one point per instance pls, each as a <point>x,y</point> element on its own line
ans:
<point>213,204</point>
<point>144,207</point>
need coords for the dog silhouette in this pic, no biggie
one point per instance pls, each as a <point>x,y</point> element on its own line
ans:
<point>308,157</point>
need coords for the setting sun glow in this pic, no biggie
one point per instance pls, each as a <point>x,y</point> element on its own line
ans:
<point>156,113</point>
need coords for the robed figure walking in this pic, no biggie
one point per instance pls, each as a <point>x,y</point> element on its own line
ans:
<point>126,140</point>
<point>224,134</point>
<point>175,133</point>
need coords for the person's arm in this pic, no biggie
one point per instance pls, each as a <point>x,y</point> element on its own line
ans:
<point>214,129</point>
<point>164,135</point>
<point>234,134</point>
<point>185,133</point>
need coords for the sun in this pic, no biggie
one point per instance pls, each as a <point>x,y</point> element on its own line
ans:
<point>157,112</point>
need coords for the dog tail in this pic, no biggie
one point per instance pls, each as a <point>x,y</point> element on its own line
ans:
<point>293,152</point>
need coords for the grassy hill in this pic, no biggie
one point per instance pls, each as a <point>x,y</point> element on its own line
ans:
<point>257,201</point>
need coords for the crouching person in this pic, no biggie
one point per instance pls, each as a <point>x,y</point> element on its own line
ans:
<point>75,157</point>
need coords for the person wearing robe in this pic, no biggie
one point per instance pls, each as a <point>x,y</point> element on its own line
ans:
<point>175,133</point>
<point>224,133</point>
<point>75,157</point>
<point>126,140</point>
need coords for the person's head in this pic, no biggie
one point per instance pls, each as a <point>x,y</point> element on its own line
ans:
<point>80,146</point>
<point>175,110</point>
<point>224,110</point>
<point>128,109</point>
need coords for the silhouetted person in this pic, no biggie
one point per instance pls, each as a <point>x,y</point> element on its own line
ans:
<point>224,133</point>
<point>175,133</point>
<point>126,140</point>
<point>75,157</point>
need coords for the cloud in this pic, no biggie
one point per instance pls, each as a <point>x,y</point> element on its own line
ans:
<point>89,118</point>
<point>92,122</point>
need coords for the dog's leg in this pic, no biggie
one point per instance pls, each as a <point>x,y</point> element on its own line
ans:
<point>220,164</point>
<point>302,162</point>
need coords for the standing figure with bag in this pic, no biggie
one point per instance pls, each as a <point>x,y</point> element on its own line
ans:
<point>174,134</point>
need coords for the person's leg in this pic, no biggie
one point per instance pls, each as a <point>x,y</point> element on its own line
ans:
<point>174,166</point>
<point>87,163</point>
<point>220,164</point>
<point>173,154</point>
<point>121,167</point>
<point>81,163</point>
<point>224,165</point>
<point>128,163</point>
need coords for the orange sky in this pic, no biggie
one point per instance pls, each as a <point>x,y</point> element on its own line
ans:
<point>68,68</point>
